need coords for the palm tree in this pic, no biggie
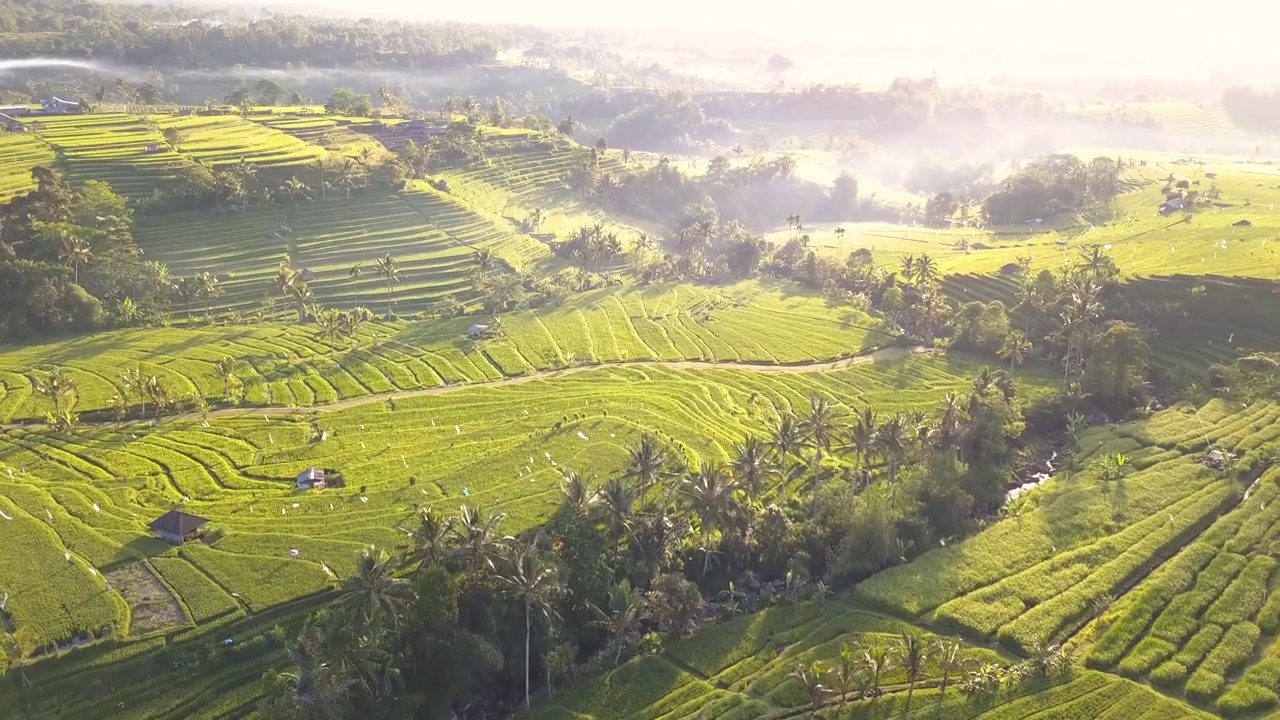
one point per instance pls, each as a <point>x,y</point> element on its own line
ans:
<point>950,417</point>
<point>388,268</point>
<point>738,150</point>
<point>430,540</point>
<point>208,288</point>
<point>926,271</point>
<point>626,605</point>
<point>333,327</point>
<point>1015,349</point>
<point>891,440</point>
<point>913,654</point>
<point>753,465</point>
<point>876,661</point>
<point>947,653</point>
<point>76,251</point>
<point>811,676</point>
<point>485,262</point>
<point>787,440</point>
<point>226,369</point>
<point>248,171</point>
<point>476,542</point>
<point>818,429</point>
<point>908,267</point>
<point>57,386</point>
<point>646,463</point>
<point>707,491</point>
<point>355,273</point>
<point>619,498</point>
<point>578,493</point>
<point>354,319</point>
<point>846,672</point>
<point>133,381</point>
<point>862,435</point>
<point>373,594</point>
<point>534,585</point>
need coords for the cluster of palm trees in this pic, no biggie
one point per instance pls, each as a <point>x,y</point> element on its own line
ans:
<point>291,286</point>
<point>59,388</point>
<point>201,286</point>
<point>589,244</point>
<point>860,669</point>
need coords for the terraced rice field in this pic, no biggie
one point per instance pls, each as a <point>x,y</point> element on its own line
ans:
<point>432,238</point>
<point>109,147</point>
<point>19,153</point>
<point>290,364</point>
<point>1142,242</point>
<point>740,669</point>
<point>221,140</point>
<point>91,494</point>
<point>1183,548</point>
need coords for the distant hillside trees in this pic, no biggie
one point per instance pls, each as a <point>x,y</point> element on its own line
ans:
<point>68,261</point>
<point>1254,110</point>
<point>168,36</point>
<point>1050,185</point>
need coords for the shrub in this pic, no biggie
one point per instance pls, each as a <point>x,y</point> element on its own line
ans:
<point>1194,651</point>
<point>1148,654</point>
<point>1170,674</point>
<point>1246,697</point>
<point>1234,650</point>
<point>1266,673</point>
<point>1204,685</point>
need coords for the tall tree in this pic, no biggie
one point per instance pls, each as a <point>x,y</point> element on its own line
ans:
<point>626,605</point>
<point>388,268</point>
<point>373,595</point>
<point>532,583</point>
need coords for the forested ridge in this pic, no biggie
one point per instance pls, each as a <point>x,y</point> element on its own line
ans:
<point>184,37</point>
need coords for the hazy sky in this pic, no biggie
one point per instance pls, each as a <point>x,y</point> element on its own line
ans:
<point>1080,32</point>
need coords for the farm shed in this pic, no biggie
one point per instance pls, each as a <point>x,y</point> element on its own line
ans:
<point>15,110</point>
<point>478,331</point>
<point>311,478</point>
<point>176,526</point>
<point>58,105</point>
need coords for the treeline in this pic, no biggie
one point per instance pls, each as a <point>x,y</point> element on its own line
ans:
<point>1051,185</point>
<point>187,37</point>
<point>754,193</point>
<point>466,620</point>
<point>68,261</point>
<point>1254,110</point>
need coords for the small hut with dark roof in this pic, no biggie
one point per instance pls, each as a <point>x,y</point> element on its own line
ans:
<point>176,526</point>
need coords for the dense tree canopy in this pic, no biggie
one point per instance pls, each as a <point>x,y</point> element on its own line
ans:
<point>175,36</point>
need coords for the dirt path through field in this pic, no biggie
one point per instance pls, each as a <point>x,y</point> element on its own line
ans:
<point>882,355</point>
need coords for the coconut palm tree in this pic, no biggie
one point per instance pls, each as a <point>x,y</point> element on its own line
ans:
<point>619,498</point>
<point>431,540</point>
<point>646,463</point>
<point>248,171</point>
<point>926,271</point>
<point>355,273</point>
<point>948,655</point>
<point>845,674</point>
<point>226,369</point>
<point>862,435</point>
<point>913,654</point>
<point>529,581</point>
<point>950,419</point>
<point>485,262</point>
<point>388,268</point>
<point>909,267</point>
<point>876,661</point>
<point>476,543</point>
<point>891,441</point>
<point>626,608</point>
<point>333,327</point>
<point>811,677</point>
<point>373,594</point>
<point>133,381</point>
<point>77,252</point>
<point>1015,349</point>
<point>578,493</point>
<point>818,429</point>
<point>753,465</point>
<point>707,492</point>
<point>787,440</point>
<point>354,319</point>
<point>57,387</point>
